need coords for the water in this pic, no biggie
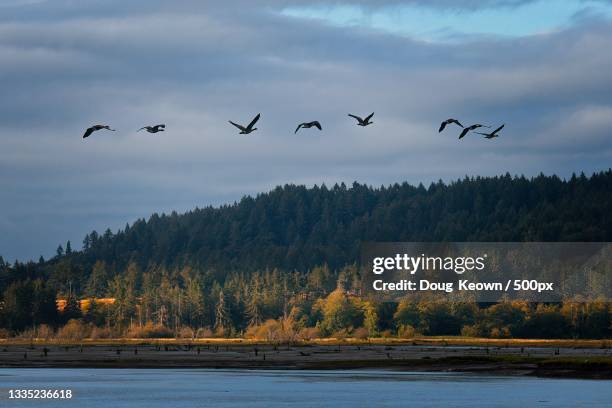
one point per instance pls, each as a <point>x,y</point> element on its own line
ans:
<point>149,388</point>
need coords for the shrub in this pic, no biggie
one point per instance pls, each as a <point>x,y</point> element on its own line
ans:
<point>406,331</point>
<point>270,330</point>
<point>75,329</point>
<point>186,332</point>
<point>361,333</point>
<point>150,331</point>
<point>472,330</point>
<point>340,334</point>
<point>273,330</point>
<point>28,334</point>
<point>44,332</point>
<point>386,334</point>
<point>221,332</point>
<point>251,332</point>
<point>309,333</point>
<point>203,333</point>
<point>4,333</point>
<point>500,332</point>
<point>101,333</point>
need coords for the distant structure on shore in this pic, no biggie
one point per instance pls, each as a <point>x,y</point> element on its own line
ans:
<point>84,304</point>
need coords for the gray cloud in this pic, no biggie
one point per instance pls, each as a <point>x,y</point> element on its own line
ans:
<point>195,65</point>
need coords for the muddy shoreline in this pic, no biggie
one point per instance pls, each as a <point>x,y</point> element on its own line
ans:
<point>560,362</point>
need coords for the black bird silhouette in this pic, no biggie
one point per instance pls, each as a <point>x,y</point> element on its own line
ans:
<point>470,128</point>
<point>363,122</point>
<point>95,128</point>
<point>448,122</point>
<point>153,129</point>
<point>249,128</point>
<point>307,125</point>
<point>493,133</point>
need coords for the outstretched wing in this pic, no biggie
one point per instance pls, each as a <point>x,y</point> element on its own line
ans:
<point>88,132</point>
<point>367,119</point>
<point>498,129</point>
<point>484,134</point>
<point>457,122</point>
<point>144,127</point>
<point>298,128</point>
<point>254,121</point>
<point>317,125</point>
<point>465,131</point>
<point>356,117</point>
<point>442,126</point>
<point>237,125</point>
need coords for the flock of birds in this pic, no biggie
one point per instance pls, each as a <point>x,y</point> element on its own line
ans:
<point>470,128</point>
<point>245,130</point>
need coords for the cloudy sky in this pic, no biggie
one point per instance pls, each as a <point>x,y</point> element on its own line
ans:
<point>544,68</point>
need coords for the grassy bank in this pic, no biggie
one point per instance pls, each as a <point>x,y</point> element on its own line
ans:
<point>416,341</point>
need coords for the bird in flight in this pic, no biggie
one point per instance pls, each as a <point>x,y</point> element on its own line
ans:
<point>448,122</point>
<point>308,125</point>
<point>95,128</point>
<point>153,129</point>
<point>470,128</point>
<point>249,128</point>
<point>363,122</point>
<point>493,133</point>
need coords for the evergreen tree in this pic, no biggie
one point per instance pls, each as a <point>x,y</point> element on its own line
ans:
<point>194,303</point>
<point>255,305</point>
<point>44,304</point>
<point>18,304</point>
<point>370,320</point>
<point>98,280</point>
<point>121,290</point>
<point>86,243</point>
<point>72,309</point>
<point>222,320</point>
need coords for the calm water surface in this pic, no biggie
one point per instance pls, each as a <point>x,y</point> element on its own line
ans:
<point>113,388</point>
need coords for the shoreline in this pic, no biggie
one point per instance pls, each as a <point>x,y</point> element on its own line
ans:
<point>542,361</point>
<point>385,341</point>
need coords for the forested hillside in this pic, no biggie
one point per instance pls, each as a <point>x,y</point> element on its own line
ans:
<point>293,227</point>
<point>296,228</point>
<point>254,255</point>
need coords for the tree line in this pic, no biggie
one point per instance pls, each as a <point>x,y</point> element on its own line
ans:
<point>286,261</point>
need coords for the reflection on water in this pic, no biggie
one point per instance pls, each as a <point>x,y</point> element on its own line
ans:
<point>352,388</point>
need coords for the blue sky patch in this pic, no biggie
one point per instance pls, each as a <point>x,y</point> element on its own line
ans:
<point>437,24</point>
